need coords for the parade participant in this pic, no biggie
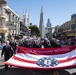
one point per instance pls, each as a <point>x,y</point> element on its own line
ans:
<point>37,44</point>
<point>46,43</point>
<point>7,51</point>
<point>54,43</point>
<point>21,43</point>
<point>13,45</point>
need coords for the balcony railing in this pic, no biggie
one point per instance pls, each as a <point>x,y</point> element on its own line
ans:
<point>3,16</point>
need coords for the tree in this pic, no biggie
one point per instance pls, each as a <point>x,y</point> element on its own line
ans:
<point>34,30</point>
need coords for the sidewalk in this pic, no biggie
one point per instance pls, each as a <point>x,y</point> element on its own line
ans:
<point>1,61</point>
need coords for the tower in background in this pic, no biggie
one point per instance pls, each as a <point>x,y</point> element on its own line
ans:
<point>49,27</point>
<point>48,23</point>
<point>26,19</point>
<point>41,25</point>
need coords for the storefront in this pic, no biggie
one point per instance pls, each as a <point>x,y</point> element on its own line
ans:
<point>71,35</point>
<point>3,31</point>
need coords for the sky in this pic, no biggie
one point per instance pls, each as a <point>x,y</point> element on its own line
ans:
<point>58,11</point>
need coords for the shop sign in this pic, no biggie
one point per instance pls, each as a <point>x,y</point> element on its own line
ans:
<point>3,30</point>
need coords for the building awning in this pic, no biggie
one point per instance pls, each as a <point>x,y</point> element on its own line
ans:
<point>67,31</point>
<point>71,34</point>
<point>3,30</point>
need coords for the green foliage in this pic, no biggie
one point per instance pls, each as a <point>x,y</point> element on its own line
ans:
<point>34,30</point>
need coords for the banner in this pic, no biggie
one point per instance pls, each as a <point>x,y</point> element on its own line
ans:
<point>44,58</point>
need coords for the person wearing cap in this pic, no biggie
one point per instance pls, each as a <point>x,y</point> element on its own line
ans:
<point>7,52</point>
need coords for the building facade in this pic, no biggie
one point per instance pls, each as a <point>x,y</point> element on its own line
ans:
<point>41,25</point>
<point>3,29</point>
<point>9,21</point>
<point>48,28</point>
<point>67,29</point>
<point>26,19</point>
<point>12,22</point>
<point>73,16</point>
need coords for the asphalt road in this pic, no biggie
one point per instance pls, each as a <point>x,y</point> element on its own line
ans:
<point>23,71</point>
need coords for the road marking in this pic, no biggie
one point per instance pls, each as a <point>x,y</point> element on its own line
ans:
<point>56,73</point>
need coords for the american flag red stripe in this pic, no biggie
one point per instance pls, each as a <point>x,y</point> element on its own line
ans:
<point>34,62</point>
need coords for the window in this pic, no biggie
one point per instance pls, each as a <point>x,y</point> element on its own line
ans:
<point>0,10</point>
<point>73,27</point>
<point>0,22</point>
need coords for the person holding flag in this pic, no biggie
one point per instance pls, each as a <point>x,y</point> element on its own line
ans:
<point>7,52</point>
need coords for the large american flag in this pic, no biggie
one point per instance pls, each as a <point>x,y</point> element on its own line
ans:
<point>44,58</point>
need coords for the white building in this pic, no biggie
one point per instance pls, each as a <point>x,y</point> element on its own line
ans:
<point>9,21</point>
<point>41,26</point>
<point>26,19</point>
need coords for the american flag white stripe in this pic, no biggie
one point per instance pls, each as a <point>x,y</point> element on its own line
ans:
<point>36,57</point>
<point>29,65</point>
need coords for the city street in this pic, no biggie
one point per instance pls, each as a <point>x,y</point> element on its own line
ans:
<point>23,71</point>
<point>37,24</point>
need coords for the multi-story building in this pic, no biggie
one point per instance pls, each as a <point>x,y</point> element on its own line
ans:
<point>26,19</point>
<point>48,29</point>
<point>12,21</point>
<point>73,16</point>
<point>9,21</point>
<point>48,26</point>
<point>3,29</point>
<point>24,24</point>
<point>67,29</point>
<point>41,25</point>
